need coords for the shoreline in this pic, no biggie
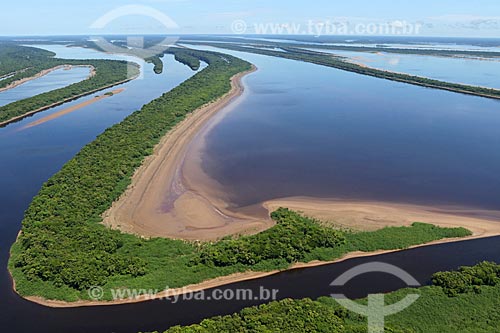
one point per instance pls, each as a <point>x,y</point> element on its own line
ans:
<point>66,100</point>
<point>45,72</point>
<point>185,212</point>
<point>383,74</point>
<point>175,144</point>
<point>231,279</point>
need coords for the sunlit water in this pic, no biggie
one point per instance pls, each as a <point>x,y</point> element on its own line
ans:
<point>273,103</point>
<point>57,79</point>
<point>29,156</point>
<point>478,72</point>
<point>308,130</point>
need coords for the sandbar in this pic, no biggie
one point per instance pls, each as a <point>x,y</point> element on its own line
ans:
<point>71,109</point>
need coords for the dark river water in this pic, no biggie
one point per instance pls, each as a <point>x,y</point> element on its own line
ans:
<point>304,130</point>
<point>30,156</point>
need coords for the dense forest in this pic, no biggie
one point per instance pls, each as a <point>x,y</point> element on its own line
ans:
<point>63,249</point>
<point>339,63</point>
<point>186,57</point>
<point>435,311</point>
<point>107,74</point>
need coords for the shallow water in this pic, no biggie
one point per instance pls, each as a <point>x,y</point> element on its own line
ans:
<point>29,157</point>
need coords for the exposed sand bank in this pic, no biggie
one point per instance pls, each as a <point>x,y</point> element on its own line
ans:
<point>370,216</point>
<point>45,72</point>
<point>171,198</point>
<point>71,109</point>
<point>160,203</point>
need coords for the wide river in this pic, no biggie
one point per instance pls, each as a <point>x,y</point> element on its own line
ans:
<point>297,121</point>
<point>478,72</point>
<point>305,130</point>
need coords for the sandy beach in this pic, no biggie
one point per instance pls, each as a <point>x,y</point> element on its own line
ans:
<point>161,203</point>
<point>171,196</point>
<point>71,109</point>
<point>372,215</point>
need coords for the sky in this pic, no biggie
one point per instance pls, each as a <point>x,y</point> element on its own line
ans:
<point>478,18</point>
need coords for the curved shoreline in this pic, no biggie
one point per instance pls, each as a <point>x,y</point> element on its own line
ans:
<point>458,88</point>
<point>230,279</point>
<point>72,109</point>
<point>184,212</point>
<point>174,145</point>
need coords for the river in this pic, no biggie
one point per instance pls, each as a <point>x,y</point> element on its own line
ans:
<point>30,156</point>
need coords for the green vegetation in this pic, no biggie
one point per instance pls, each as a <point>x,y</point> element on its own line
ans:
<point>107,74</point>
<point>468,279</point>
<point>63,249</point>
<point>284,43</point>
<point>157,62</point>
<point>290,240</point>
<point>58,259</point>
<point>297,238</point>
<point>435,311</point>
<point>187,57</point>
<point>339,63</point>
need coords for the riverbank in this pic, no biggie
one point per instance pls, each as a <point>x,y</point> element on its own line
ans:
<point>45,72</point>
<point>320,59</point>
<point>72,109</point>
<point>229,279</point>
<point>160,203</point>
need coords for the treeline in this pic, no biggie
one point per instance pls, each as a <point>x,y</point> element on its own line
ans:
<point>157,62</point>
<point>290,240</point>
<point>353,48</point>
<point>468,279</point>
<point>107,73</point>
<point>63,249</point>
<point>425,52</point>
<point>63,216</point>
<point>186,57</point>
<point>22,62</point>
<point>433,312</point>
<point>337,62</point>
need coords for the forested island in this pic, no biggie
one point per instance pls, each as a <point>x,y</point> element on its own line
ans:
<point>64,249</point>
